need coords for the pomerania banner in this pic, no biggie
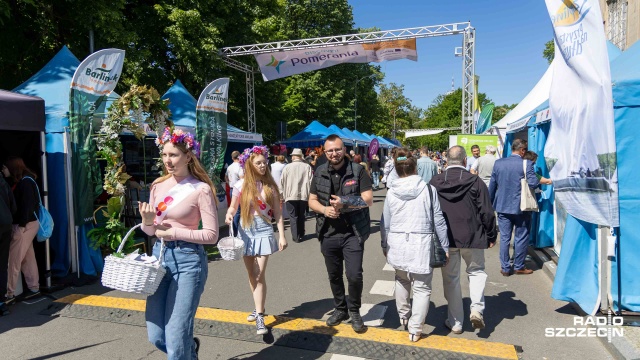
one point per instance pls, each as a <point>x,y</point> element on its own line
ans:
<point>580,150</point>
<point>94,79</point>
<point>287,63</point>
<point>211,126</point>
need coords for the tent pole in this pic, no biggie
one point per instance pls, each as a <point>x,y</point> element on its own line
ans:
<point>73,251</point>
<point>45,188</point>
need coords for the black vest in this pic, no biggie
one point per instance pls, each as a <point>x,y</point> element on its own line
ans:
<point>358,219</point>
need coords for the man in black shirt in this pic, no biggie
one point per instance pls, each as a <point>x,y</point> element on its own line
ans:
<point>341,195</point>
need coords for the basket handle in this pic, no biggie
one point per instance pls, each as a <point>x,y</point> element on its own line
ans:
<point>124,240</point>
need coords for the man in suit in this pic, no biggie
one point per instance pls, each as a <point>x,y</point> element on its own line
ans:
<point>504,190</point>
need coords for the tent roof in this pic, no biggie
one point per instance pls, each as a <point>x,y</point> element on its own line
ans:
<point>21,112</point>
<point>540,94</point>
<point>359,138</point>
<point>183,113</point>
<point>336,130</point>
<point>625,77</point>
<point>182,105</point>
<point>313,134</point>
<point>52,83</point>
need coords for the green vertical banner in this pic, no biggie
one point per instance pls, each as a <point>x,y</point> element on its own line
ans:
<point>94,79</point>
<point>484,121</point>
<point>211,126</point>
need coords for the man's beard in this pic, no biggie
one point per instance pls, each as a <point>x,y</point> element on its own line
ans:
<point>336,161</point>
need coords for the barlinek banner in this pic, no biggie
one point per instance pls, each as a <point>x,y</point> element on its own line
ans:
<point>94,79</point>
<point>580,151</point>
<point>287,63</point>
<point>211,126</point>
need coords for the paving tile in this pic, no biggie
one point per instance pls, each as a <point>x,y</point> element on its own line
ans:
<point>383,287</point>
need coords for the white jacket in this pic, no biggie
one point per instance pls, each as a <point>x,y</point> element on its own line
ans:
<point>406,225</point>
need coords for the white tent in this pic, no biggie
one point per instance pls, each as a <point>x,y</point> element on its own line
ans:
<point>538,95</point>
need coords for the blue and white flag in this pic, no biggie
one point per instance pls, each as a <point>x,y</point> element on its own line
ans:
<point>581,151</point>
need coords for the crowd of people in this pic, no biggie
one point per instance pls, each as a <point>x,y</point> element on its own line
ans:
<point>445,197</point>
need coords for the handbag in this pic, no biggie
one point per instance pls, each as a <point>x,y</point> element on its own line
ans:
<point>438,257</point>
<point>44,218</point>
<point>528,200</point>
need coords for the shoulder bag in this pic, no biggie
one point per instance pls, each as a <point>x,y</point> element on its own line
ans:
<point>438,255</point>
<point>43,216</point>
<point>528,200</point>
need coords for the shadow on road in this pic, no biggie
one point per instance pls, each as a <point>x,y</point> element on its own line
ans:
<point>61,353</point>
<point>310,310</point>
<point>296,345</point>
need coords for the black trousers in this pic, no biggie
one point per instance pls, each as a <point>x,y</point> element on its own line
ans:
<point>5,241</point>
<point>296,210</point>
<point>341,252</point>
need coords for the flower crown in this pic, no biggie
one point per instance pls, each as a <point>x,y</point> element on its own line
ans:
<point>179,136</point>
<point>258,150</point>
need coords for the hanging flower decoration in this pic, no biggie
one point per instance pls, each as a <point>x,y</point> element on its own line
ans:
<point>258,150</point>
<point>129,112</point>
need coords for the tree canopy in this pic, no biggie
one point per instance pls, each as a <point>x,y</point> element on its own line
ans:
<point>166,40</point>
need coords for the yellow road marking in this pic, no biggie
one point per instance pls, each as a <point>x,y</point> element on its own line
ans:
<point>436,342</point>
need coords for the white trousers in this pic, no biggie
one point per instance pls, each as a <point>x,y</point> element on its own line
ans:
<point>474,258</point>
<point>417,313</point>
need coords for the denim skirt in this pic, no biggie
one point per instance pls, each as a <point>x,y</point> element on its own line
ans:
<point>258,238</point>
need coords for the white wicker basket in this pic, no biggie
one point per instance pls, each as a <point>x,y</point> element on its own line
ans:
<point>231,247</point>
<point>130,275</point>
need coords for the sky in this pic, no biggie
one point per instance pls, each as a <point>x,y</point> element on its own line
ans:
<point>510,38</point>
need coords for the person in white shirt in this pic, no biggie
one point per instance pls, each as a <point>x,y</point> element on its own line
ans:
<point>233,175</point>
<point>276,170</point>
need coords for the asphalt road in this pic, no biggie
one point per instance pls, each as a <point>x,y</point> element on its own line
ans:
<point>518,309</point>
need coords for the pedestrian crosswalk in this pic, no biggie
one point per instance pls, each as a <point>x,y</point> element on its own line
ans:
<point>383,287</point>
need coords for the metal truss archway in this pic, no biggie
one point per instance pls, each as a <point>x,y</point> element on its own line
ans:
<point>468,58</point>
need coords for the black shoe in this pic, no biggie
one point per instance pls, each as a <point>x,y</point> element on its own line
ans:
<point>3,310</point>
<point>10,300</point>
<point>296,240</point>
<point>356,322</point>
<point>29,294</point>
<point>337,317</point>
<point>197,342</point>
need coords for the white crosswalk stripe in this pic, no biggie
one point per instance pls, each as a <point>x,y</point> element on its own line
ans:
<point>383,287</point>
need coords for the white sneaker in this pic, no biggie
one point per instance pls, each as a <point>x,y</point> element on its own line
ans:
<point>261,329</point>
<point>252,316</point>
<point>476,320</point>
<point>414,337</point>
<point>454,329</point>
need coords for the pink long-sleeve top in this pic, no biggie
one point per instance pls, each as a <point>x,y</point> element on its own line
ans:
<point>184,218</point>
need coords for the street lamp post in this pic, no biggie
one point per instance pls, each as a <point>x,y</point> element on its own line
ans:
<point>355,104</point>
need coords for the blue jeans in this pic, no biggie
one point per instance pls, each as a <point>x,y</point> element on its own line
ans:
<point>506,223</point>
<point>375,176</point>
<point>171,310</point>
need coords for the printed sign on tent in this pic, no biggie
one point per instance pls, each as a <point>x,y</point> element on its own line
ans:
<point>373,148</point>
<point>211,126</point>
<point>94,79</point>
<point>287,63</point>
<point>580,151</point>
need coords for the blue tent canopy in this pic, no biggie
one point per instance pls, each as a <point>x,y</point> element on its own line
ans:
<point>359,139</point>
<point>313,135</point>
<point>182,105</point>
<point>183,113</point>
<point>52,83</point>
<point>345,138</point>
<point>625,76</point>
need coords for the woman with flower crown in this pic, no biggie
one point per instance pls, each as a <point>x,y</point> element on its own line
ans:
<point>259,200</point>
<point>177,202</point>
